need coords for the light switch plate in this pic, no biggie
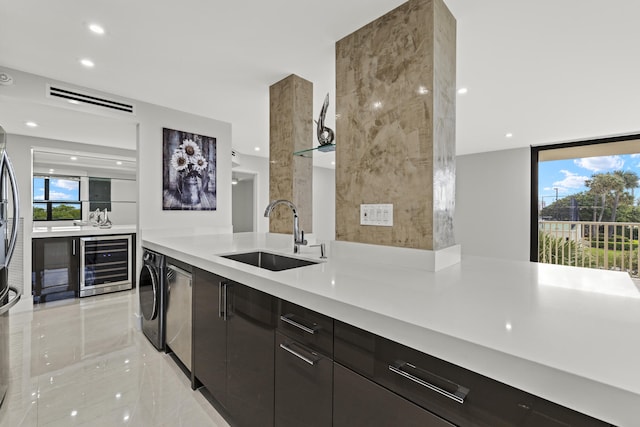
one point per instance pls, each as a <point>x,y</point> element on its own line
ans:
<point>376,214</point>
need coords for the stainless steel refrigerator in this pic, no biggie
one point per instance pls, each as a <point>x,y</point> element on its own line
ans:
<point>9,295</point>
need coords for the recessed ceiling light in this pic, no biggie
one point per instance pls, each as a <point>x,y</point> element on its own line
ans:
<point>333,163</point>
<point>257,148</point>
<point>508,135</point>
<point>234,181</point>
<point>31,124</point>
<point>73,158</point>
<point>87,63</point>
<point>118,163</point>
<point>52,170</point>
<point>463,90</point>
<point>74,101</point>
<point>95,28</point>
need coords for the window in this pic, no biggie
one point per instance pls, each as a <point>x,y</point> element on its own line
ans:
<point>56,199</point>
<point>585,210</point>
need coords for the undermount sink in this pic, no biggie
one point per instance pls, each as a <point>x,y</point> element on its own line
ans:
<point>269,261</point>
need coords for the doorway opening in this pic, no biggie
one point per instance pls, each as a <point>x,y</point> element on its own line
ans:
<point>585,204</point>
<point>243,201</point>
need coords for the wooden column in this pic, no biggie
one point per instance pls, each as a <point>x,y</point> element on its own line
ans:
<point>291,130</point>
<point>395,131</point>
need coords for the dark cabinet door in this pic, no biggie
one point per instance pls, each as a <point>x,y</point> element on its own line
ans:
<point>210,293</point>
<point>359,402</point>
<point>55,268</point>
<point>250,353</point>
<point>303,384</point>
<point>463,397</point>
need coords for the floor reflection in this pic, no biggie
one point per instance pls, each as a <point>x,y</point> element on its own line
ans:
<point>85,362</point>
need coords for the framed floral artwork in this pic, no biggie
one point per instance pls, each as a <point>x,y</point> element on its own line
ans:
<point>189,171</point>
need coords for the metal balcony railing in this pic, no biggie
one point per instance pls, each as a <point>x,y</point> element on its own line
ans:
<point>604,245</point>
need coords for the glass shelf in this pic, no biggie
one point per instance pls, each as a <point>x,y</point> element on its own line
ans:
<point>309,152</point>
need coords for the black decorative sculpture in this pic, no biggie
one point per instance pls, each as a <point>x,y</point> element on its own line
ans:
<point>325,135</point>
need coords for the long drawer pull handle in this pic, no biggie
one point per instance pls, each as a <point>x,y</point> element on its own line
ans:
<point>288,319</point>
<point>298,355</point>
<point>220,309</point>
<point>459,395</point>
<point>225,301</point>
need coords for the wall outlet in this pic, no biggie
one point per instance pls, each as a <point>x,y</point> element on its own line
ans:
<point>380,215</point>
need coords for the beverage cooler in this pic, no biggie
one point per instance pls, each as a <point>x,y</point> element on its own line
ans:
<point>105,264</point>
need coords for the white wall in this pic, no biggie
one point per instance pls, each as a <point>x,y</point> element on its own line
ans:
<point>122,210</point>
<point>242,202</point>
<point>324,203</point>
<point>152,118</point>
<point>260,167</point>
<point>492,216</point>
<point>324,190</point>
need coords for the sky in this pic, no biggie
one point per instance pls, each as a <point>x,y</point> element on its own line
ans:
<point>59,189</point>
<point>568,176</point>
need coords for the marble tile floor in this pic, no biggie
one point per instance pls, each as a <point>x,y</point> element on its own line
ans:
<point>85,362</point>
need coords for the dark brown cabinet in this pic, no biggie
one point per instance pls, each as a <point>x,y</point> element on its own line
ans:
<point>306,326</point>
<point>304,367</point>
<point>271,362</point>
<point>233,344</point>
<point>458,395</point>
<point>303,385</point>
<point>210,333</point>
<point>361,402</point>
<point>55,268</point>
<point>250,354</point>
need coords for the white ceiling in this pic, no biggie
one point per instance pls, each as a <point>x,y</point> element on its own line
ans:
<point>547,71</point>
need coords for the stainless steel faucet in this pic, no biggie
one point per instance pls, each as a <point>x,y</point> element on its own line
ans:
<point>322,250</point>
<point>298,235</point>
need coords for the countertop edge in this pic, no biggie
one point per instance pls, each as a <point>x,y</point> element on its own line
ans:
<point>39,233</point>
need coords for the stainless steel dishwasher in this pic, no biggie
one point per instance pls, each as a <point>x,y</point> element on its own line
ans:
<point>179,292</point>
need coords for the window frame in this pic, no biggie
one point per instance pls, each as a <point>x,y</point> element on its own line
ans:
<point>49,203</point>
<point>535,157</point>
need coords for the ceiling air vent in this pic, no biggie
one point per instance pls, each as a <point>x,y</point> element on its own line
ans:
<point>76,96</point>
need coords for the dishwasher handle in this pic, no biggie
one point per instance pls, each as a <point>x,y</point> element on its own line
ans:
<point>180,271</point>
<point>172,272</point>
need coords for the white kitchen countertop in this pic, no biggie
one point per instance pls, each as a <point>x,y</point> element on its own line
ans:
<point>566,334</point>
<point>76,230</point>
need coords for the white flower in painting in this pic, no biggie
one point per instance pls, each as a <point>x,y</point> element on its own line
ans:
<point>179,160</point>
<point>200,163</point>
<point>190,148</point>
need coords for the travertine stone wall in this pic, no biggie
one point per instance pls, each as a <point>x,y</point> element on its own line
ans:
<point>290,130</point>
<point>395,126</point>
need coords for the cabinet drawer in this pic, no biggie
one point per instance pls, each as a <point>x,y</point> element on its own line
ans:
<point>306,327</point>
<point>463,397</point>
<point>359,402</point>
<point>303,385</point>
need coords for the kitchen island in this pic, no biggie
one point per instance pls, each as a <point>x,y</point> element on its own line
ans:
<point>568,335</point>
